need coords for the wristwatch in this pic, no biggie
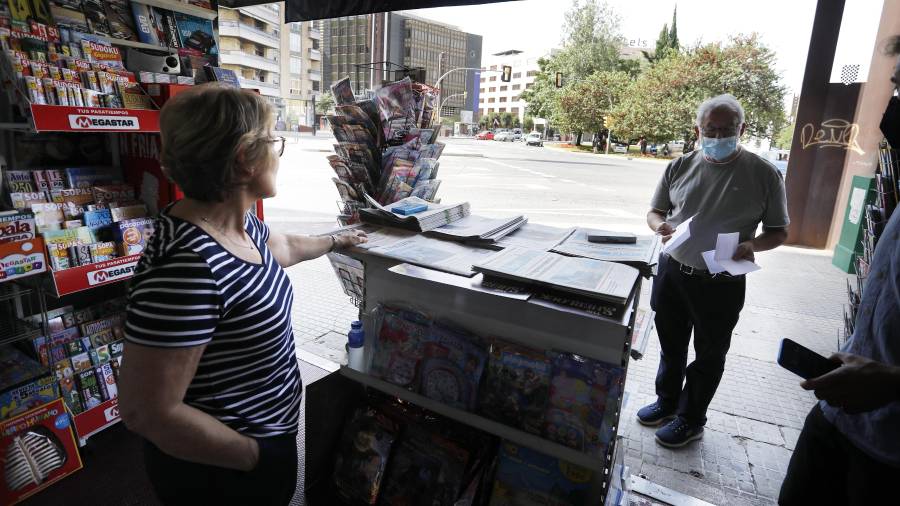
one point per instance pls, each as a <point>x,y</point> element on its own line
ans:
<point>333,243</point>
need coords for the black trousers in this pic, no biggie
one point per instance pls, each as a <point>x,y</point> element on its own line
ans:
<point>826,468</point>
<point>708,307</point>
<point>178,482</point>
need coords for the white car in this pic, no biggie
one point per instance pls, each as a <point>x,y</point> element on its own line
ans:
<point>620,148</point>
<point>503,136</point>
<point>534,139</point>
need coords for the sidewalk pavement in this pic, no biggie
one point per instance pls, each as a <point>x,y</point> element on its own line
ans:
<point>758,411</point>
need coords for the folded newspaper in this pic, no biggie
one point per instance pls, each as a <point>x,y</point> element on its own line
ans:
<point>642,254</point>
<point>534,236</point>
<point>584,277</point>
<point>433,253</point>
<point>435,216</point>
<point>480,229</point>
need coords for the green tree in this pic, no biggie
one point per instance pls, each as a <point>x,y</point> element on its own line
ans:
<point>583,105</point>
<point>507,120</point>
<point>673,32</point>
<point>666,42</point>
<point>528,124</point>
<point>785,136</point>
<point>661,104</point>
<point>324,103</point>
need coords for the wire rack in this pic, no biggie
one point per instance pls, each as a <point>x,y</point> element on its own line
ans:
<point>15,305</point>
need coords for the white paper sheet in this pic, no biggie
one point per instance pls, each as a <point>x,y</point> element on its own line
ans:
<point>682,234</point>
<point>720,259</point>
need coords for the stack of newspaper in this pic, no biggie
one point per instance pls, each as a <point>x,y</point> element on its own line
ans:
<point>386,146</point>
<point>642,255</point>
<point>434,216</point>
<point>564,280</point>
<point>478,229</point>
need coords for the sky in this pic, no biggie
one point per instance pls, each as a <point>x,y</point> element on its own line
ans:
<point>536,25</point>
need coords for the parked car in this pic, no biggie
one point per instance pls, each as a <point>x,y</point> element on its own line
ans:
<point>503,136</point>
<point>620,148</point>
<point>534,139</point>
<point>517,134</point>
<point>487,135</point>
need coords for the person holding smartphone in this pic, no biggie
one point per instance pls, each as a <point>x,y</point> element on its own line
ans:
<point>849,449</point>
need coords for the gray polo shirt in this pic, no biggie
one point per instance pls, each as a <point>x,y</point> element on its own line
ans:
<point>724,198</point>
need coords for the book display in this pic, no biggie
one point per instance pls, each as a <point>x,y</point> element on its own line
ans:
<point>875,216</point>
<point>81,183</point>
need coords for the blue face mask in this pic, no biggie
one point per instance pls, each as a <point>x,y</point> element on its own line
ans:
<point>719,149</point>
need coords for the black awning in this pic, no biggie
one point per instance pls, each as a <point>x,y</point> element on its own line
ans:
<point>306,10</point>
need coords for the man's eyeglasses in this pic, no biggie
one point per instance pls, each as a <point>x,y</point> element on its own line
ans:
<point>719,132</point>
<point>278,148</point>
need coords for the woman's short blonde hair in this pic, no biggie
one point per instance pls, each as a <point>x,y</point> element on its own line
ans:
<point>207,132</point>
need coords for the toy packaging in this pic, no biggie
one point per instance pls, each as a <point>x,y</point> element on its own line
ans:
<point>426,468</point>
<point>583,396</point>
<point>528,478</point>
<point>517,387</point>
<point>29,396</point>
<point>398,346</point>
<point>362,456</point>
<point>452,366</point>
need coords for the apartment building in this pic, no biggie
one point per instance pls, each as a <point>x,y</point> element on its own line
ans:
<point>371,48</point>
<point>496,96</point>
<point>283,62</point>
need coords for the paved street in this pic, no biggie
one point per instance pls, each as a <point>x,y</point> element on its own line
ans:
<point>759,409</point>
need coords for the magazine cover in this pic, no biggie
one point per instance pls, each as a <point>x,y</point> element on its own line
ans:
<point>426,468</point>
<point>517,387</point>
<point>121,22</point>
<point>528,478</point>
<point>343,92</point>
<point>396,104</point>
<point>196,33</point>
<point>583,395</point>
<point>362,456</point>
<point>398,346</point>
<point>96,16</point>
<point>145,24</point>
<point>452,366</point>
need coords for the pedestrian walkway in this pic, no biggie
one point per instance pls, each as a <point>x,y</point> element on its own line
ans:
<point>757,414</point>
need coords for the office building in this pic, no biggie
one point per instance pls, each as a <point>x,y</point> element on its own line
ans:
<point>371,49</point>
<point>496,96</point>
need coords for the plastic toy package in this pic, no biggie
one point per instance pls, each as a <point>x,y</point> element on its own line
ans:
<point>528,478</point>
<point>363,456</point>
<point>426,468</point>
<point>583,395</point>
<point>517,387</point>
<point>452,366</point>
<point>398,346</point>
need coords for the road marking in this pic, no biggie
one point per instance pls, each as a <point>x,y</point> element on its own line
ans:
<point>569,181</point>
<point>504,164</point>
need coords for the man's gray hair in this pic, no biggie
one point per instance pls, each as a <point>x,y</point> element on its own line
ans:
<point>724,101</point>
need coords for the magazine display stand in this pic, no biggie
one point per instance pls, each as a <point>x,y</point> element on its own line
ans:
<point>489,312</point>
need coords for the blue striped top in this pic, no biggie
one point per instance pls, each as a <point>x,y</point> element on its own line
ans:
<point>190,291</point>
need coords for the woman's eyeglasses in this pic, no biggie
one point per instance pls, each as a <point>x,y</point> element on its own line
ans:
<point>278,148</point>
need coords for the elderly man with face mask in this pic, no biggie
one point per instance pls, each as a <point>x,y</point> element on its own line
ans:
<point>725,189</point>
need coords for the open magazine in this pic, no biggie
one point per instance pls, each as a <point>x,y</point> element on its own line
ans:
<point>584,277</point>
<point>435,216</point>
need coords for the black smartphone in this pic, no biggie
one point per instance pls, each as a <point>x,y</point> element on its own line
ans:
<point>802,361</point>
<point>613,238</point>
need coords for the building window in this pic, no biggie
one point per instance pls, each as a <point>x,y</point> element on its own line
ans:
<point>315,43</point>
<point>528,86</point>
<point>481,90</point>
<point>516,87</point>
<point>481,112</point>
<point>296,42</point>
<point>503,88</point>
<point>493,67</point>
<point>481,100</point>
<point>531,73</point>
<point>514,110</point>
<point>315,85</point>
<point>295,65</point>
<point>517,75</point>
<point>482,79</point>
<point>491,100</point>
<point>502,109</point>
<point>493,78</point>
<point>503,99</point>
<point>492,89</point>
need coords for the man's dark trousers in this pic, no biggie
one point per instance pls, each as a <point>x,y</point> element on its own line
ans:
<point>708,306</point>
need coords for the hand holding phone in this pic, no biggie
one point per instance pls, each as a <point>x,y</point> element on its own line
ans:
<point>802,361</point>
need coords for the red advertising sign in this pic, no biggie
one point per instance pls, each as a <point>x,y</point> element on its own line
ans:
<point>98,418</point>
<point>22,258</point>
<point>38,449</point>
<point>58,118</point>
<point>88,276</point>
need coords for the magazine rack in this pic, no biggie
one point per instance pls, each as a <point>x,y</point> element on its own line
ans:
<point>491,313</point>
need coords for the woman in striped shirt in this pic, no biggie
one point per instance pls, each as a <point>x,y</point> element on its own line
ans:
<point>209,377</point>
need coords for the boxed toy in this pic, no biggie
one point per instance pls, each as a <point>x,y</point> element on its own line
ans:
<point>29,396</point>
<point>517,386</point>
<point>583,398</point>
<point>362,456</point>
<point>426,468</point>
<point>39,449</point>
<point>528,478</point>
<point>132,235</point>
<point>16,226</point>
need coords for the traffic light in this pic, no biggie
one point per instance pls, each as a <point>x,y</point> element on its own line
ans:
<point>559,82</point>
<point>507,74</point>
